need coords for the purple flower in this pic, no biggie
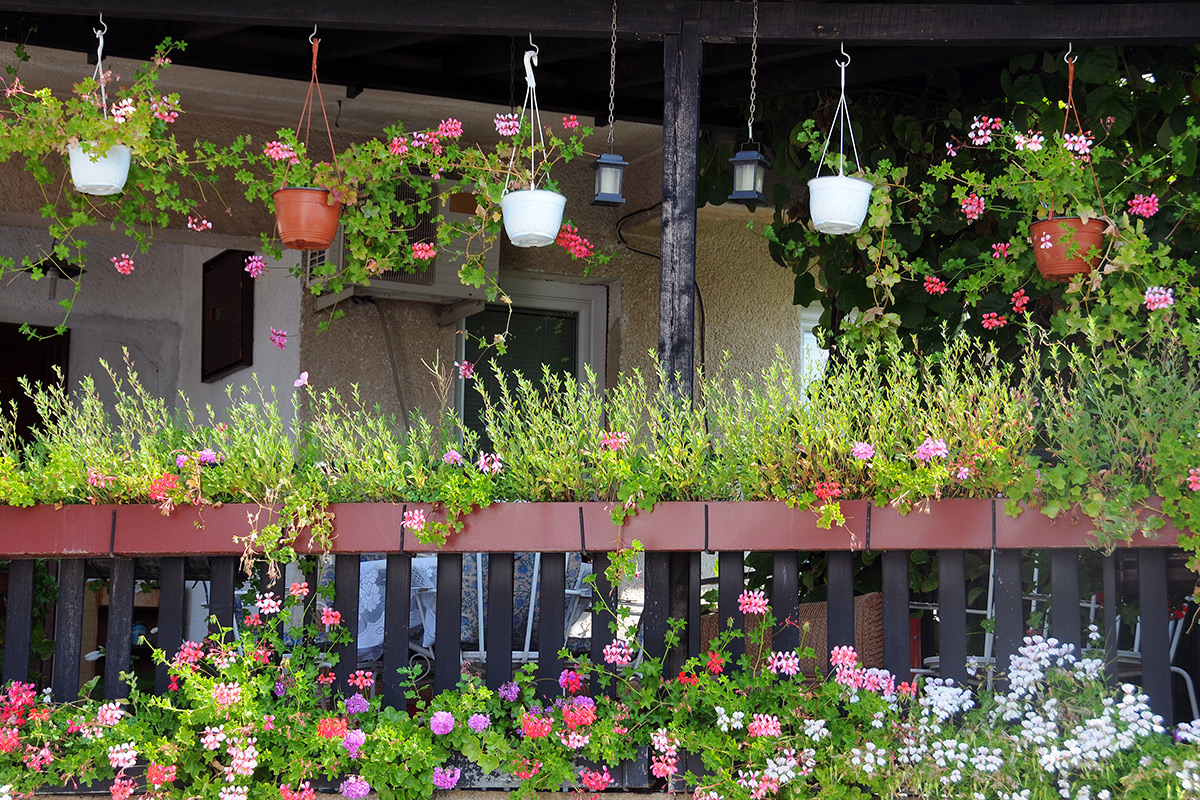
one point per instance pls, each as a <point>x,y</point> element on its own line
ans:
<point>441,722</point>
<point>479,722</point>
<point>180,460</point>
<point>445,778</point>
<point>584,702</point>
<point>353,740</point>
<point>931,448</point>
<point>280,688</point>
<point>452,456</point>
<point>863,451</point>
<point>357,704</point>
<point>509,691</point>
<point>207,456</point>
<point>354,786</point>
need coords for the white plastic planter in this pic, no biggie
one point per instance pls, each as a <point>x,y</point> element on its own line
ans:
<point>838,203</point>
<point>532,217</point>
<point>103,176</point>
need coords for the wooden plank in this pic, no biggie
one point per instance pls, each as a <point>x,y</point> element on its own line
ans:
<point>396,611</point>
<point>731,582</point>
<point>896,645</point>
<point>657,603</point>
<point>685,605</point>
<point>447,645</point>
<point>1064,596</point>
<point>118,644</point>
<point>1010,610</point>
<point>677,267</point>
<point>499,609</point>
<point>18,620</point>
<point>222,579</point>
<point>952,615</point>
<point>552,619</point>
<point>68,634</point>
<point>785,599</point>
<point>346,573</point>
<point>171,601</point>
<point>839,610</point>
<point>1156,645</point>
<point>1111,615</point>
<point>603,606</point>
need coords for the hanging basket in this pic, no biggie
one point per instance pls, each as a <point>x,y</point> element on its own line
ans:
<point>305,218</point>
<point>838,203</point>
<point>532,217</point>
<point>98,174</point>
<point>1070,240</point>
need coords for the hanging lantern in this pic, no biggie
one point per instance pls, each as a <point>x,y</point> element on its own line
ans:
<point>610,172</point>
<point>610,167</point>
<point>749,174</point>
<point>750,164</point>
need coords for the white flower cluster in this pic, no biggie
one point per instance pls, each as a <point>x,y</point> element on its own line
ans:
<point>727,722</point>
<point>1189,775</point>
<point>816,729</point>
<point>952,755</point>
<point>1188,732</point>
<point>944,700</point>
<point>783,768</point>
<point>869,758</point>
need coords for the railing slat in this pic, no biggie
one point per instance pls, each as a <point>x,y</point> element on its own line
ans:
<point>731,580</point>
<point>897,649</point>
<point>447,646</point>
<point>839,610</point>
<point>602,616</point>
<point>18,620</point>
<point>552,617</point>
<point>118,645</point>
<point>499,609</point>
<point>952,615</point>
<point>68,633</point>
<point>1156,654</point>
<point>1111,615</point>
<point>171,601</point>
<point>1010,613</point>
<point>396,613</point>
<point>220,591</point>
<point>691,642</point>
<point>657,582</point>
<point>346,573</point>
<point>785,599</point>
<point>1064,596</point>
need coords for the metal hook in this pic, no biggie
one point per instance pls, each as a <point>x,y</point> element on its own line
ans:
<point>312,35</point>
<point>536,49</point>
<point>531,60</point>
<point>847,55</point>
<point>1067,58</point>
<point>103,29</point>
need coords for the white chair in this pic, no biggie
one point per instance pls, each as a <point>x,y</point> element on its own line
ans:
<point>1129,662</point>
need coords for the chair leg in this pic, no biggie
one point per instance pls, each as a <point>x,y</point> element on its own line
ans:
<point>1191,689</point>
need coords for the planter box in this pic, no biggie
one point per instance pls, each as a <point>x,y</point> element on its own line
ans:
<point>66,531</point>
<point>143,530</point>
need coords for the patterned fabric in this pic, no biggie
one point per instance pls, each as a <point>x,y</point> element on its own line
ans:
<point>523,571</point>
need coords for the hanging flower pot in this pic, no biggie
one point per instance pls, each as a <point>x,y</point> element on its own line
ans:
<point>98,174</point>
<point>1061,245</point>
<point>838,203</point>
<point>305,218</point>
<point>532,217</point>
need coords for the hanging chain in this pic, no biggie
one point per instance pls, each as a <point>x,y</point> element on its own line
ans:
<point>612,75</point>
<point>753,72</point>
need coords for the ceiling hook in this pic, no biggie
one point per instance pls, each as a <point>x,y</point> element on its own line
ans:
<point>536,49</point>
<point>103,29</point>
<point>531,60</point>
<point>847,55</point>
<point>312,35</point>
<point>1067,58</point>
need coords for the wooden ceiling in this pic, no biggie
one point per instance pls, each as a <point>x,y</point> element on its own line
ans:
<point>472,49</point>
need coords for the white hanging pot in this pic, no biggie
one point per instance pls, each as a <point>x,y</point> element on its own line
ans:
<point>532,217</point>
<point>99,174</point>
<point>838,203</point>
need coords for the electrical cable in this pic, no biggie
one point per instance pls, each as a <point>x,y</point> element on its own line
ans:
<point>387,338</point>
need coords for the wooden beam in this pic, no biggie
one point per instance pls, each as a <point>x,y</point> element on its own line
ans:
<point>677,271</point>
<point>717,20</point>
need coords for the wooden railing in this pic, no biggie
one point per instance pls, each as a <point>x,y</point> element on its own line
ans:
<point>125,543</point>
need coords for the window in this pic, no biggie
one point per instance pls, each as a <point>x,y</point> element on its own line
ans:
<point>227,332</point>
<point>556,323</point>
<point>812,355</point>
<point>34,359</point>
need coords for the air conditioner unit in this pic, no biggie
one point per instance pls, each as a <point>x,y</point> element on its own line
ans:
<point>438,283</point>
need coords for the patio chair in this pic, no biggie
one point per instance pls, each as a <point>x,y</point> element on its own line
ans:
<point>1129,662</point>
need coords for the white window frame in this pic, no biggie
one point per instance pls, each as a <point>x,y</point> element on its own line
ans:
<point>588,301</point>
<point>812,358</point>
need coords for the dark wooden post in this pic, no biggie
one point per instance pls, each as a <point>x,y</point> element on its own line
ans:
<point>677,271</point>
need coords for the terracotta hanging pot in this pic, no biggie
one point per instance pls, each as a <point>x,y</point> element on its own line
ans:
<point>305,218</point>
<point>1061,245</point>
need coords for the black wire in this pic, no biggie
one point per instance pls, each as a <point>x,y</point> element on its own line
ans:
<point>695,284</point>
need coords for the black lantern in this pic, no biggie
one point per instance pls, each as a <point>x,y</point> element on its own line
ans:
<point>749,174</point>
<point>610,172</point>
